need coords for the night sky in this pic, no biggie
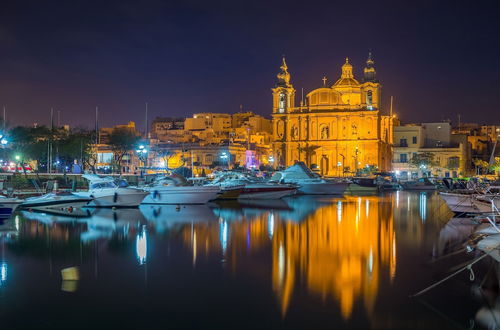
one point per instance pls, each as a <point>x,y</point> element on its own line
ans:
<point>437,58</point>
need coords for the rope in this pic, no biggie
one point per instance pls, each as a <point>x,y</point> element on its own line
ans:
<point>449,276</point>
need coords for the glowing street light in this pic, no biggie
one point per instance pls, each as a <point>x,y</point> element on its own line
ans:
<point>17,157</point>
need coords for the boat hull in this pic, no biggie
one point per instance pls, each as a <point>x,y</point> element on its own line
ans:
<point>120,197</point>
<point>8,207</point>
<point>266,192</point>
<point>181,195</point>
<point>323,188</point>
<point>468,203</point>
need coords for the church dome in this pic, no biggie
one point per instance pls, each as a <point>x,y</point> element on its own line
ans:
<point>346,82</point>
<point>324,96</point>
<point>347,77</point>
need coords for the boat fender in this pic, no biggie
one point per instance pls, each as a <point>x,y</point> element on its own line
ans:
<point>115,197</point>
<point>155,194</point>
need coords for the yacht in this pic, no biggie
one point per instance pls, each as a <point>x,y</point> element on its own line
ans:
<point>105,192</point>
<point>252,188</point>
<point>308,182</point>
<point>63,203</point>
<point>175,190</point>
<point>8,206</point>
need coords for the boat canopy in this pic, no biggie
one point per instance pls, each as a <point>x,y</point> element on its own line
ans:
<point>297,171</point>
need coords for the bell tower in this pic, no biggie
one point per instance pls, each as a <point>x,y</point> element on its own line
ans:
<point>371,88</point>
<point>283,92</point>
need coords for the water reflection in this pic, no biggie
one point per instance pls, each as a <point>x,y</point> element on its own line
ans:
<point>337,247</point>
<point>339,251</point>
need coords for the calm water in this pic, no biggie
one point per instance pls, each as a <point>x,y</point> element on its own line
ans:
<point>304,262</point>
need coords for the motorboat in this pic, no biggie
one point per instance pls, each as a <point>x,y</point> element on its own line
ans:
<point>470,201</point>
<point>420,184</point>
<point>252,188</point>
<point>308,182</point>
<point>8,206</point>
<point>63,203</point>
<point>175,190</point>
<point>362,185</point>
<point>107,192</point>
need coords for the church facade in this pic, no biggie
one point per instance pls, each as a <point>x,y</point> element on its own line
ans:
<point>339,128</point>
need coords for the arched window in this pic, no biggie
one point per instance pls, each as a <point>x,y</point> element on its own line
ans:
<point>369,100</point>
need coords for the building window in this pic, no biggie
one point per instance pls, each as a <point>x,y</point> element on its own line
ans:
<point>453,162</point>
<point>403,143</point>
<point>414,140</point>
<point>403,158</point>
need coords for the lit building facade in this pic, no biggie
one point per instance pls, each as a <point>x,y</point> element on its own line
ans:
<point>339,128</point>
<point>451,153</point>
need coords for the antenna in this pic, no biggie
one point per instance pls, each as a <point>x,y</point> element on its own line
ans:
<point>58,118</point>
<point>146,123</point>
<point>97,135</point>
<point>392,99</point>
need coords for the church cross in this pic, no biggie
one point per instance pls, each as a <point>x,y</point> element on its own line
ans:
<point>324,81</point>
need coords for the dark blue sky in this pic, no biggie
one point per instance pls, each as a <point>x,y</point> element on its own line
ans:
<point>437,58</point>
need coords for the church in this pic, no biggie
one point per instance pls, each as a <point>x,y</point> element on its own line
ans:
<point>339,129</point>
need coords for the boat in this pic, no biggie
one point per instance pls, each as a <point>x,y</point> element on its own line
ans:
<point>106,192</point>
<point>420,184</point>
<point>252,188</point>
<point>308,182</point>
<point>362,185</point>
<point>8,206</point>
<point>175,190</point>
<point>63,203</point>
<point>468,201</point>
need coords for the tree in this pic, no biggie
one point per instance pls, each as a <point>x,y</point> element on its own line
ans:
<point>29,143</point>
<point>122,140</point>
<point>77,145</point>
<point>424,159</point>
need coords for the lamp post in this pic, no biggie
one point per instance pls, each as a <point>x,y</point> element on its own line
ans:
<point>142,154</point>
<point>225,157</point>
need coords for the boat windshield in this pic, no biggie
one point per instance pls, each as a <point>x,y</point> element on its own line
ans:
<point>102,185</point>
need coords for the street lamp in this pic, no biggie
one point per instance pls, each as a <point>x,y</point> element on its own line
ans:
<point>224,156</point>
<point>142,152</point>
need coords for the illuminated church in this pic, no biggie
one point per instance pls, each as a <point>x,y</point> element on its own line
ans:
<point>339,128</point>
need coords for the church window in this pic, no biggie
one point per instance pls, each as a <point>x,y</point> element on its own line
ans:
<point>369,100</point>
<point>282,102</point>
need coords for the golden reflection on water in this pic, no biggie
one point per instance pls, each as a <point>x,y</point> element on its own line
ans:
<point>340,250</point>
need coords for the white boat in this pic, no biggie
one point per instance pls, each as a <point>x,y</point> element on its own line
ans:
<point>105,192</point>
<point>251,188</point>
<point>64,203</point>
<point>170,190</point>
<point>470,202</point>
<point>8,206</point>
<point>309,183</point>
